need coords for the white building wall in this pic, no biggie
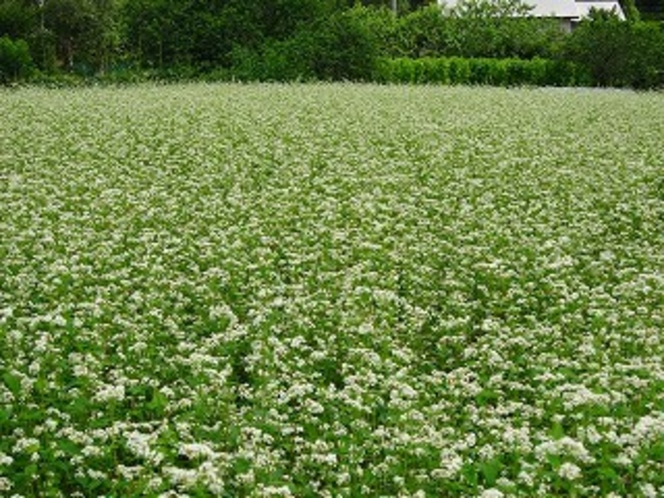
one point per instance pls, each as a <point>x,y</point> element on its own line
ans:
<point>567,11</point>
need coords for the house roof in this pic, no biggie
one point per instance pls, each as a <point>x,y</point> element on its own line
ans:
<point>563,9</point>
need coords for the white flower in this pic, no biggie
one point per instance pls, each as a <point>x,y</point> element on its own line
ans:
<point>5,459</point>
<point>450,465</point>
<point>649,491</point>
<point>5,484</point>
<point>182,477</point>
<point>110,392</point>
<point>196,450</point>
<point>569,471</point>
<point>283,491</point>
<point>139,444</point>
<point>29,444</point>
<point>564,446</point>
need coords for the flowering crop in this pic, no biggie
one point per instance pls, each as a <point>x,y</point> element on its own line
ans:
<point>331,290</point>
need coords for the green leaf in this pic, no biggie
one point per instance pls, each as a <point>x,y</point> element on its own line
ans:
<point>469,472</point>
<point>5,416</point>
<point>68,447</point>
<point>158,402</point>
<point>490,471</point>
<point>13,383</point>
<point>557,431</point>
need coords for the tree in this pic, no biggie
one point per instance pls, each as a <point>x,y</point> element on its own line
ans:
<point>619,53</point>
<point>15,60</point>
<point>396,6</point>
<point>491,9</point>
<point>18,19</point>
<point>343,48</point>
<point>651,9</point>
<point>106,33</point>
<point>75,27</point>
<point>630,10</point>
<point>153,29</point>
<point>501,29</point>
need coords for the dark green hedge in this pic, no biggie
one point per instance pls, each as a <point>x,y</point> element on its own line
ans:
<point>618,53</point>
<point>339,47</point>
<point>496,72</point>
<point>15,60</point>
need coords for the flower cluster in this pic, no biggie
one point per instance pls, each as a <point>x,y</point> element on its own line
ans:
<point>331,290</point>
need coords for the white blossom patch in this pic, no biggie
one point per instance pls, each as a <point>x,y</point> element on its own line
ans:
<point>331,290</point>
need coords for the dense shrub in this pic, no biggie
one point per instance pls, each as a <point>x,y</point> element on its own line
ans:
<point>383,26</point>
<point>646,62</point>
<point>477,71</point>
<point>274,61</point>
<point>340,47</point>
<point>427,32</point>
<point>15,60</point>
<point>619,53</point>
<point>16,18</point>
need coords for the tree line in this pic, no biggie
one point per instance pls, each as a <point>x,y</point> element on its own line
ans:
<point>311,39</point>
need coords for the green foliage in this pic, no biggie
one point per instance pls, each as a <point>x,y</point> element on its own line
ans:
<point>208,34</point>
<point>15,60</point>
<point>650,9</point>
<point>476,32</point>
<point>646,64</point>
<point>619,53</point>
<point>17,18</point>
<point>74,26</point>
<point>285,40</point>
<point>478,71</point>
<point>490,9</point>
<point>154,31</point>
<point>631,11</point>
<point>77,35</point>
<point>426,32</point>
<point>274,61</point>
<point>340,47</point>
<point>383,26</point>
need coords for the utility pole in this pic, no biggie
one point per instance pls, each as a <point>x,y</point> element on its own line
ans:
<point>42,32</point>
<point>40,3</point>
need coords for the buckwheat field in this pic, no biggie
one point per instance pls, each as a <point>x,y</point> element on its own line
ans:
<point>331,290</point>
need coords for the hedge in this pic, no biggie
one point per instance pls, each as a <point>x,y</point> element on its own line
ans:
<point>481,71</point>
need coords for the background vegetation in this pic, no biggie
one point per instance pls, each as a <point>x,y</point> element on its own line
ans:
<point>120,40</point>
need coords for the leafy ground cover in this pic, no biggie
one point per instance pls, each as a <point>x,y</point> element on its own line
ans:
<point>331,290</point>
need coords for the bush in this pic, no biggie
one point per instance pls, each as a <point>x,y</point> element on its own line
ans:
<point>619,53</point>
<point>274,61</point>
<point>425,32</point>
<point>339,47</point>
<point>15,60</point>
<point>343,48</point>
<point>383,27</point>
<point>646,62</point>
<point>430,32</point>
<point>476,71</point>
